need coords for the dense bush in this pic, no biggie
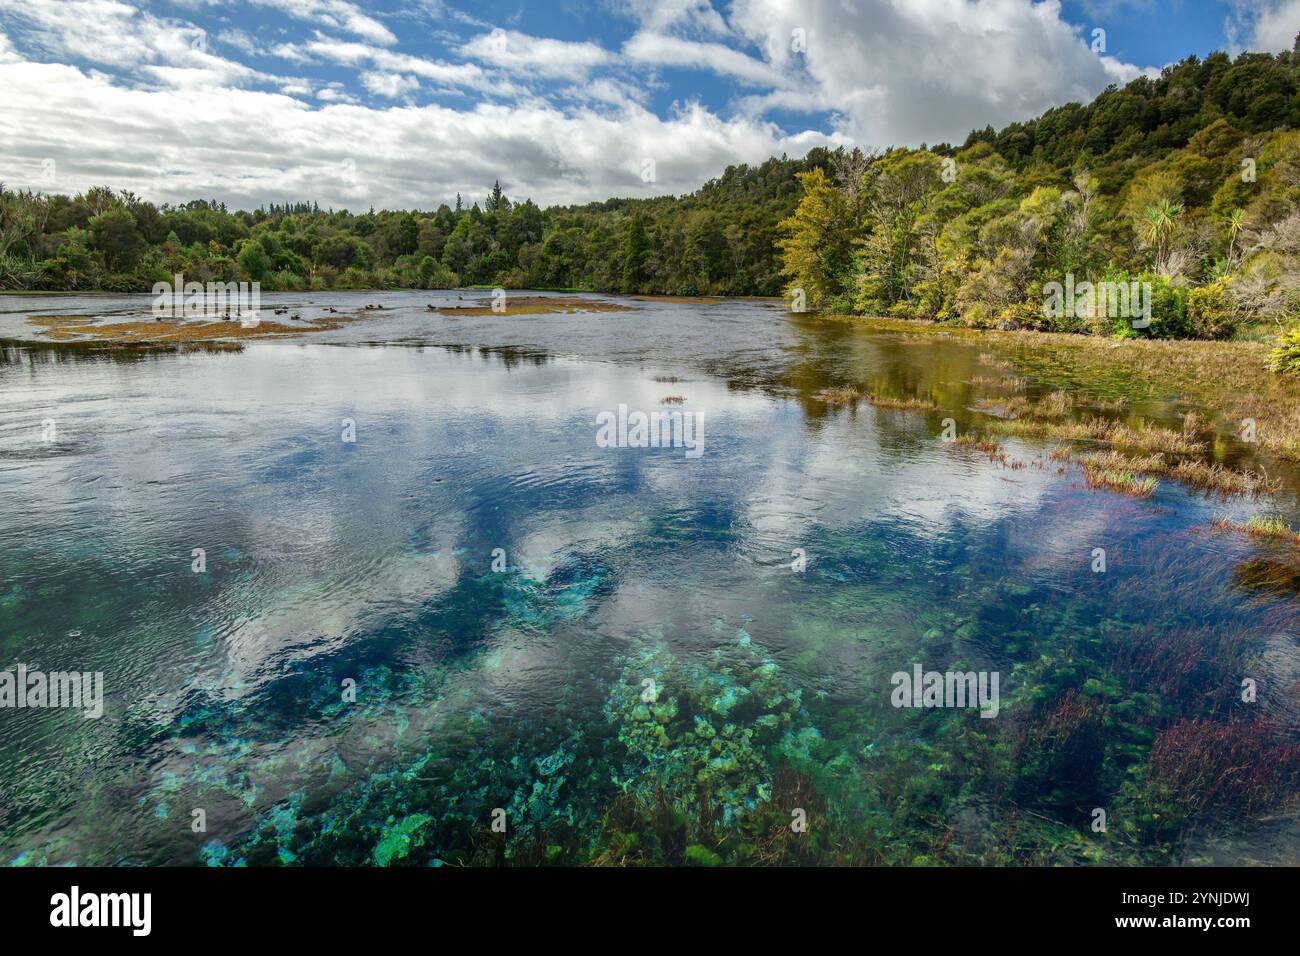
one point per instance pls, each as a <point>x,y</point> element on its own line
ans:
<point>1145,185</point>
<point>1286,353</point>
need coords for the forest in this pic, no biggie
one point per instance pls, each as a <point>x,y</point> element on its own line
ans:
<point>1189,183</point>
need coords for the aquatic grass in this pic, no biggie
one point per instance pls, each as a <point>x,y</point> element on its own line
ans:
<point>845,396</point>
<point>1055,405</point>
<point>1218,478</point>
<point>1125,482</point>
<point>1059,757</point>
<point>1147,438</point>
<point>1205,476</point>
<point>1009,407</point>
<point>1177,664</point>
<point>1260,526</point>
<point>901,404</point>
<point>1229,377</point>
<point>979,443</point>
<point>993,450</point>
<point>1203,770</point>
<point>1009,382</point>
<point>1194,421</point>
<point>1112,460</point>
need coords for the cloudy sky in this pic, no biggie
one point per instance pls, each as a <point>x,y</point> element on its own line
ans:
<point>405,103</point>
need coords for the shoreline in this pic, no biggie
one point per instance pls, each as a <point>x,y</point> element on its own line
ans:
<point>1229,377</point>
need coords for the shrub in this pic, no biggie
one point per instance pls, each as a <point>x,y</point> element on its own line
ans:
<point>1285,357</point>
<point>1169,319</point>
<point>1210,311</point>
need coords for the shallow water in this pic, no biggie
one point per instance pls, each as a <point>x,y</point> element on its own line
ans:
<point>516,686</point>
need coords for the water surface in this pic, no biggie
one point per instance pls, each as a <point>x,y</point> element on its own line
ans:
<point>497,589</point>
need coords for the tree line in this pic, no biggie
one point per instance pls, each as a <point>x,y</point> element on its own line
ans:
<point>1187,185</point>
<point>1189,182</point>
<point>719,240</point>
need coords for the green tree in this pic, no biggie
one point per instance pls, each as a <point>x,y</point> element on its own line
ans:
<point>113,233</point>
<point>636,249</point>
<point>254,260</point>
<point>1159,222</point>
<point>816,241</point>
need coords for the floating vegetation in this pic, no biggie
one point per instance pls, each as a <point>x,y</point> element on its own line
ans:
<point>85,328</point>
<point>681,299</point>
<point>1260,526</point>
<point>1010,383</point>
<point>1125,482</point>
<point>537,305</point>
<point>840,396</point>
<point>1147,438</point>
<point>901,404</point>
<point>1218,478</point>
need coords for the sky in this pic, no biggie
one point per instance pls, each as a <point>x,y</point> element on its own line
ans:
<point>407,103</point>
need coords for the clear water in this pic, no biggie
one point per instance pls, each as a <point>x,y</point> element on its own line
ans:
<point>476,689</point>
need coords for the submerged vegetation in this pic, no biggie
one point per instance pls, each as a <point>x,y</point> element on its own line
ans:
<point>720,758</point>
<point>696,741</point>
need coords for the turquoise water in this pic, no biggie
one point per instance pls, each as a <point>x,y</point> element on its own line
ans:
<point>512,680</point>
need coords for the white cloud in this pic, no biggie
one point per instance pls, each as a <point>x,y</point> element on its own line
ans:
<point>1271,25</point>
<point>926,70</point>
<point>244,146</point>
<point>361,54</point>
<point>886,72</point>
<point>657,15</point>
<point>117,34</point>
<point>519,52</point>
<point>334,14</point>
<point>662,50</point>
<point>390,85</point>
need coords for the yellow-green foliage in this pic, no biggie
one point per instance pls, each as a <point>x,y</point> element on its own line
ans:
<point>1210,310</point>
<point>815,240</point>
<point>1285,357</point>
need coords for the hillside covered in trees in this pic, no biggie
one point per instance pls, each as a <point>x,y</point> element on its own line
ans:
<point>720,239</point>
<point>1190,182</point>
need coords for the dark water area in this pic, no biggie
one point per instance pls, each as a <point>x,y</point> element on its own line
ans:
<point>433,602</point>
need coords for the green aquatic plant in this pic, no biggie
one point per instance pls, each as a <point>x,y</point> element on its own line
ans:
<point>706,732</point>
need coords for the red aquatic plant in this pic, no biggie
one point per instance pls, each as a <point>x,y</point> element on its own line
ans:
<point>1235,768</point>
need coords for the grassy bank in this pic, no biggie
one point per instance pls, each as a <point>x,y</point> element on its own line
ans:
<point>1229,377</point>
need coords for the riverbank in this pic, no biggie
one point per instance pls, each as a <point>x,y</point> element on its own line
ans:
<point>1231,378</point>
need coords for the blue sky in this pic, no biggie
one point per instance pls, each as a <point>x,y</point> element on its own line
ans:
<point>407,102</point>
